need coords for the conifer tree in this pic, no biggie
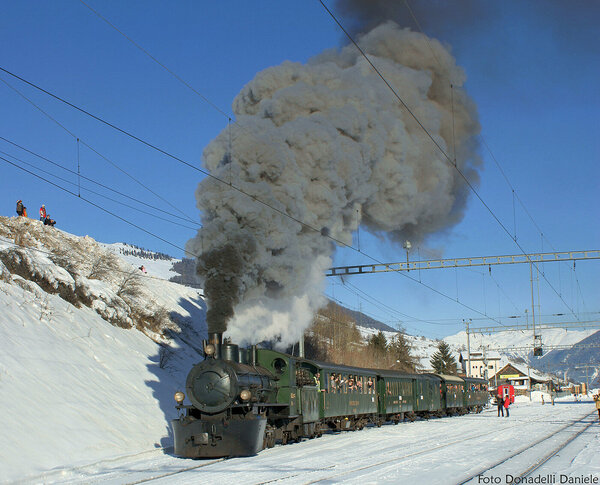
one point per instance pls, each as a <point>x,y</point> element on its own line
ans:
<point>378,344</point>
<point>399,350</point>
<point>442,361</point>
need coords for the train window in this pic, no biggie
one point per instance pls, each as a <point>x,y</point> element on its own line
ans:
<point>279,365</point>
<point>351,383</point>
<point>370,385</point>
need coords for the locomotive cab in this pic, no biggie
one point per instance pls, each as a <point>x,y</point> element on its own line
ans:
<point>229,399</point>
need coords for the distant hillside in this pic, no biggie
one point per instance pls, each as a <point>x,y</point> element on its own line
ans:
<point>133,250</point>
<point>366,321</point>
<point>557,361</point>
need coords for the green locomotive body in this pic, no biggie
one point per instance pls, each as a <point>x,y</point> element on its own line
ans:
<point>245,401</point>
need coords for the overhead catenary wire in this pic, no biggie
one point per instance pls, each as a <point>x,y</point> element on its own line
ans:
<point>94,181</point>
<point>93,149</point>
<point>96,193</point>
<point>115,270</point>
<point>101,208</point>
<point>232,186</point>
<point>483,141</point>
<point>230,119</point>
<point>439,147</point>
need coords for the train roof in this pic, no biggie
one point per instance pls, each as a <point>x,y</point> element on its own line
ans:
<point>405,375</point>
<point>449,378</point>
<point>326,366</point>
<point>475,379</point>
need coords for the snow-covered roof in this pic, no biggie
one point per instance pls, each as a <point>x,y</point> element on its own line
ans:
<point>478,355</point>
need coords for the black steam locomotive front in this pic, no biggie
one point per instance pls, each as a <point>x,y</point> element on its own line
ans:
<point>229,397</point>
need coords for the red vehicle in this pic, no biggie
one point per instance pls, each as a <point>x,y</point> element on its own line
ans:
<point>506,390</point>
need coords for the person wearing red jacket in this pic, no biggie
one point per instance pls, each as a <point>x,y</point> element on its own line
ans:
<point>43,213</point>
<point>506,404</point>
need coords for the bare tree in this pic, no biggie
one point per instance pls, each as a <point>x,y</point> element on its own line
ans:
<point>102,266</point>
<point>130,286</point>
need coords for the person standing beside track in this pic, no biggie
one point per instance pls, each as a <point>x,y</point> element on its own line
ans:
<point>506,404</point>
<point>597,399</point>
<point>499,402</point>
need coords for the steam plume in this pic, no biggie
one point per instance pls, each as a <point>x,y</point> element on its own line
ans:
<point>328,144</point>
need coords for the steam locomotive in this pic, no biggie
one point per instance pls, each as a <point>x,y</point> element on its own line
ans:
<point>245,400</point>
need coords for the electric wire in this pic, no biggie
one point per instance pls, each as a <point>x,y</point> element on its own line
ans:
<point>93,149</point>
<point>483,141</point>
<point>439,147</point>
<point>101,208</point>
<point>113,270</point>
<point>155,216</point>
<point>93,181</point>
<point>247,194</point>
<point>390,309</point>
<point>180,79</point>
<point>516,196</point>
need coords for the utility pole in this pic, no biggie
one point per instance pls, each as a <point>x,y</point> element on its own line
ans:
<point>587,377</point>
<point>407,245</point>
<point>485,366</point>
<point>537,339</point>
<point>467,322</point>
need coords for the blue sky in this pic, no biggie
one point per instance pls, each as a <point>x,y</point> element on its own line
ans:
<point>532,70</point>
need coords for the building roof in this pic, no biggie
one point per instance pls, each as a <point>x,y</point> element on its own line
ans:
<point>534,374</point>
<point>478,355</point>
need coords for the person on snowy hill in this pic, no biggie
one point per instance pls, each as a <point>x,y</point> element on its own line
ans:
<point>20,208</point>
<point>506,404</point>
<point>48,221</point>
<point>597,399</point>
<point>42,213</point>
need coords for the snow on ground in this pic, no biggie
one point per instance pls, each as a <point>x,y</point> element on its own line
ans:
<point>161,268</point>
<point>438,451</point>
<point>73,387</point>
<point>82,400</point>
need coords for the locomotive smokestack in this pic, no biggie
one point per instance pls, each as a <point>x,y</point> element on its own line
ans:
<point>216,340</point>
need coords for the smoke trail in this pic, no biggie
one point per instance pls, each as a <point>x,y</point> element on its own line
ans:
<point>328,144</point>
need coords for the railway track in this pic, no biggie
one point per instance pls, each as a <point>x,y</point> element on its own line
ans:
<point>138,465</point>
<point>531,448</point>
<point>175,472</point>
<point>349,469</point>
<point>427,448</point>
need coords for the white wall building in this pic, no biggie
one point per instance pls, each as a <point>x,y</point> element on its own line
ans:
<point>483,363</point>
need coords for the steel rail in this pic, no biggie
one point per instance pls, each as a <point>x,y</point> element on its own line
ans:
<point>528,447</point>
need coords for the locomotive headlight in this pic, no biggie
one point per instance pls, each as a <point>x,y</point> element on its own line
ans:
<point>179,397</point>
<point>209,349</point>
<point>245,395</point>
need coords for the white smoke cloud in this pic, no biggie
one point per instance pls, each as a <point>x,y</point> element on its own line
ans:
<point>328,144</point>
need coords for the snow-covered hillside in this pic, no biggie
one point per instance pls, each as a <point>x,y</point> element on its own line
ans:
<point>74,387</point>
